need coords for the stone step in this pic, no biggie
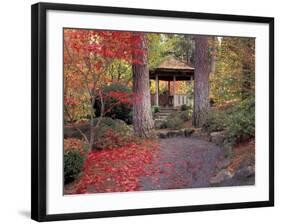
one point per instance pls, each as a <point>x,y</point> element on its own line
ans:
<point>185,132</point>
<point>163,113</point>
<point>167,110</point>
<point>159,119</point>
<point>162,117</point>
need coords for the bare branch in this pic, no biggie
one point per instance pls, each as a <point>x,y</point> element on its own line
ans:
<point>74,125</point>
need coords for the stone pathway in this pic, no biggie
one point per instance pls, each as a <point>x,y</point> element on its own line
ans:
<point>182,163</point>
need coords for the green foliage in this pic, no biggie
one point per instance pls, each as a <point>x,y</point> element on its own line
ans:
<point>162,45</point>
<point>237,122</point>
<point>122,111</point>
<point>215,121</point>
<point>184,107</point>
<point>158,48</point>
<point>182,47</point>
<point>73,162</point>
<point>185,115</point>
<point>119,71</point>
<point>111,133</point>
<point>174,123</point>
<point>155,109</point>
<point>176,120</point>
<point>240,123</point>
<point>117,87</point>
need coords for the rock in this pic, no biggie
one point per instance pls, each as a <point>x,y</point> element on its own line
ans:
<point>188,132</point>
<point>172,134</point>
<point>197,132</point>
<point>245,172</point>
<point>158,124</point>
<point>223,163</point>
<point>221,176</point>
<point>217,137</point>
<point>162,135</point>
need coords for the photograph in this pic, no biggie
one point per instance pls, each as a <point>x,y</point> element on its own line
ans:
<point>152,111</point>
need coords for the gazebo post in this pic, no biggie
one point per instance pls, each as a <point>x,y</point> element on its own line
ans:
<point>191,79</point>
<point>174,90</point>
<point>156,90</point>
<point>169,87</point>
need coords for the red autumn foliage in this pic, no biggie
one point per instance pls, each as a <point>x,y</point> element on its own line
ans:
<point>115,98</point>
<point>121,97</point>
<point>87,57</point>
<point>115,170</point>
<point>105,44</point>
<point>70,101</point>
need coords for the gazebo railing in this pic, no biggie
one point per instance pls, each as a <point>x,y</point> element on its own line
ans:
<point>181,99</point>
<point>178,100</point>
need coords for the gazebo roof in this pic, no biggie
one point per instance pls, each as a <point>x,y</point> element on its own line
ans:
<point>170,67</point>
<point>172,63</point>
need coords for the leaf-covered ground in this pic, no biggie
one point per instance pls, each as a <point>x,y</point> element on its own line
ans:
<point>115,170</point>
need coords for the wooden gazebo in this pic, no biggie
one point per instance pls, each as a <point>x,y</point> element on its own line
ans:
<point>169,70</point>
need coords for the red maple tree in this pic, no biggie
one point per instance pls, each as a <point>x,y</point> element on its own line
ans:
<point>87,56</point>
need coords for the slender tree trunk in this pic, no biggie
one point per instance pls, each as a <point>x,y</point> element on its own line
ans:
<point>248,66</point>
<point>189,49</point>
<point>213,56</point>
<point>201,82</point>
<point>246,84</point>
<point>142,115</point>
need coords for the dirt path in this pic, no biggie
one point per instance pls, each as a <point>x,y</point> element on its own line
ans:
<point>182,163</point>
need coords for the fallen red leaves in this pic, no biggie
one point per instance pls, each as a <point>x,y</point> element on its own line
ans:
<point>115,170</point>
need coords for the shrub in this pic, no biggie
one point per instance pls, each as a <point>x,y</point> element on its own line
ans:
<point>121,110</point>
<point>177,119</point>
<point>74,154</point>
<point>237,122</point>
<point>184,107</point>
<point>75,144</point>
<point>215,121</point>
<point>184,115</point>
<point>240,122</point>
<point>155,109</point>
<point>111,133</point>
<point>174,123</point>
<point>73,162</point>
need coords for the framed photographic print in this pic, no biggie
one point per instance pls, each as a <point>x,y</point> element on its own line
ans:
<point>139,111</point>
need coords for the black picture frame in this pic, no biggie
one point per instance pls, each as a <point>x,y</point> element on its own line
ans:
<point>39,122</point>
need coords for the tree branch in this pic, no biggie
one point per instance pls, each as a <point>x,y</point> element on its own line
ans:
<point>74,125</point>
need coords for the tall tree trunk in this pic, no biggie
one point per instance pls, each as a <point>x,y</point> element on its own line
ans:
<point>201,82</point>
<point>246,84</point>
<point>142,115</point>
